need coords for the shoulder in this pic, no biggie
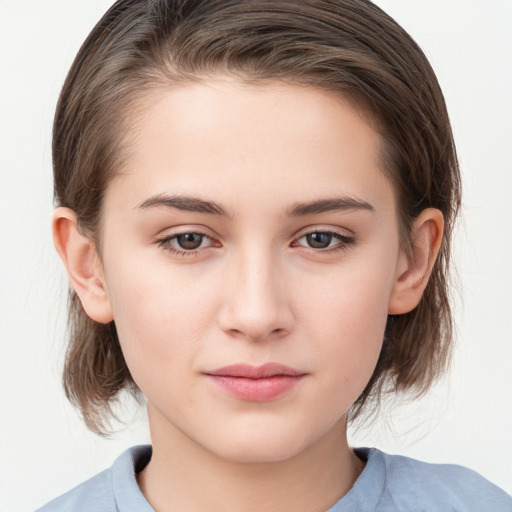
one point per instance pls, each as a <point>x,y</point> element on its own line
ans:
<point>425,486</point>
<point>108,491</point>
<point>96,493</point>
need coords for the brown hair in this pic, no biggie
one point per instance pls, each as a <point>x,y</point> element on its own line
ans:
<point>347,46</point>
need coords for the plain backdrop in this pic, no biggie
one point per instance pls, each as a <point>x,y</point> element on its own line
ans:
<point>467,419</point>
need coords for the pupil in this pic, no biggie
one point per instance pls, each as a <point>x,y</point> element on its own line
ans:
<point>319,240</point>
<point>190,240</point>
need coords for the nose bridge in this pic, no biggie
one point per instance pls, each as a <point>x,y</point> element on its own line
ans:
<point>256,305</point>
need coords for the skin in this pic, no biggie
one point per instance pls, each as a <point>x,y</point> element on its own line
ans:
<point>254,291</point>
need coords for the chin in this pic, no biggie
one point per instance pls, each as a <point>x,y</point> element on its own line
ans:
<point>258,450</point>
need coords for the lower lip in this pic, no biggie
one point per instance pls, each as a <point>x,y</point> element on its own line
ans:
<point>256,390</point>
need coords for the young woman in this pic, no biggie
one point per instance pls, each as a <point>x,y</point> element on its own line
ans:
<point>255,207</point>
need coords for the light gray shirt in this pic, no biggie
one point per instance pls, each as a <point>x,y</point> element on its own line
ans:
<point>388,483</point>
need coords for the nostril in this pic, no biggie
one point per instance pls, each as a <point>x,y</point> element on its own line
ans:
<point>257,334</point>
<point>255,312</point>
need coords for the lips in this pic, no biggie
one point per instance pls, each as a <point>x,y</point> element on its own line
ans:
<point>256,383</point>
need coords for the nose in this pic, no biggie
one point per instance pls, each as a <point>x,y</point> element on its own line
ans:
<point>255,302</point>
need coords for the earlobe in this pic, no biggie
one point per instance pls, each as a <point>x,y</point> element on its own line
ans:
<point>414,269</point>
<point>78,253</point>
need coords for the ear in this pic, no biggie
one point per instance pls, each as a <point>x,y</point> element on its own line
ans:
<point>83,265</point>
<point>413,270</point>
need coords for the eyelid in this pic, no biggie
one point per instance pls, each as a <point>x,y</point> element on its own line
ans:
<point>182,229</point>
<point>346,238</point>
<point>322,228</point>
<point>165,240</point>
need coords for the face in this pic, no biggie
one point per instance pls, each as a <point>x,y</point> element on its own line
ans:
<point>250,250</point>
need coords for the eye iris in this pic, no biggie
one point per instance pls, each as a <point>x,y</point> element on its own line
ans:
<point>319,240</point>
<point>190,240</point>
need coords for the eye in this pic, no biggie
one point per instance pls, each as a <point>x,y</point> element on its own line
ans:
<point>319,240</point>
<point>190,241</point>
<point>326,241</point>
<point>186,243</point>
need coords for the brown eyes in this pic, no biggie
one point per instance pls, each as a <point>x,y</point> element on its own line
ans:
<point>325,241</point>
<point>319,240</point>
<point>188,243</point>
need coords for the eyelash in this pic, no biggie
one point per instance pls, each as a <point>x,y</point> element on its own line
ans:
<point>165,243</point>
<point>344,242</point>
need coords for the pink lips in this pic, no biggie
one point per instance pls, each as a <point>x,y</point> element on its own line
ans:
<point>256,383</point>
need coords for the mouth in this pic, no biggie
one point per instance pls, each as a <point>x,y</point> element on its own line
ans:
<point>256,383</point>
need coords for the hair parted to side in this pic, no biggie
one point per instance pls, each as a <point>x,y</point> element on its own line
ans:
<point>347,46</point>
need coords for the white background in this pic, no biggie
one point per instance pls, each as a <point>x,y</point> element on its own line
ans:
<point>45,450</point>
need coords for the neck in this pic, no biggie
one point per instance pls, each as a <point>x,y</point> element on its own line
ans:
<point>184,476</point>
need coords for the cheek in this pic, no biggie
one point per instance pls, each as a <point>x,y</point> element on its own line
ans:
<point>347,316</point>
<point>160,316</point>
<point>347,302</point>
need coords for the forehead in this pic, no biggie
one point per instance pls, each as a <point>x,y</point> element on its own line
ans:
<point>236,140</point>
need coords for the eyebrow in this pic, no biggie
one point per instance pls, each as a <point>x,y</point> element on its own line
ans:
<point>185,203</point>
<point>197,205</point>
<point>329,205</point>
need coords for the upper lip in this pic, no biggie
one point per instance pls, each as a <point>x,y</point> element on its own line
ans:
<point>255,372</point>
